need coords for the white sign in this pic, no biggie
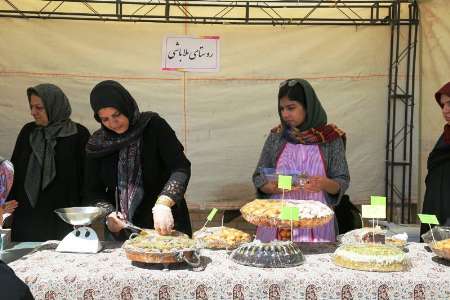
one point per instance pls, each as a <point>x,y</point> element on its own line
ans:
<point>190,53</point>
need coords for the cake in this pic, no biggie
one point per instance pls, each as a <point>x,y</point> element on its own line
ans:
<point>371,257</point>
<point>266,212</point>
<point>221,237</point>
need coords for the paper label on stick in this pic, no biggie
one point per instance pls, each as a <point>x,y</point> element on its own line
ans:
<point>290,213</point>
<point>373,211</point>
<point>428,219</point>
<point>212,214</point>
<point>285,182</point>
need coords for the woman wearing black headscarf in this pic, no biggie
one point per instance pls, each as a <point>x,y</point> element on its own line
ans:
<point>303,143</point>
<point>136,163</point>
<point>437,194</point>
<point>48,159</point>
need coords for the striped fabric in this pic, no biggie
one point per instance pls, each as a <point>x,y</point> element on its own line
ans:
<point>306,159</point>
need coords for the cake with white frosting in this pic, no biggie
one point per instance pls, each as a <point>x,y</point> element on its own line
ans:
<point>371,257</point>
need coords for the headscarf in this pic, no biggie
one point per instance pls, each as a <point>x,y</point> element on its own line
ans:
<point>104,141</point>
<point>444,90</point>
<point>6,179</point>
<point>41,168</point>
<point>314,129</point>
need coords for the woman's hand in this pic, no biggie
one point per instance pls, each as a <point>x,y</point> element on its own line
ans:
<point>9,206</point>
<point>162,219</point>
<point>115,222</point>
<point>317,184</point>
<point>270,188</point>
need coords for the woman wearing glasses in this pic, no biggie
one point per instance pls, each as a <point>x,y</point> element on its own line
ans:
<point>136,163</point>
<point>306,143</point>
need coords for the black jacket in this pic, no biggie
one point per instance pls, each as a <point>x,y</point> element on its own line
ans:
<point>162,159</point>
<point>40,223</point>
<point>11,287</point>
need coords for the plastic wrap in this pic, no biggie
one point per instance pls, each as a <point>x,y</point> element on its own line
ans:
<point>221,237</point>
<point>276,254</point>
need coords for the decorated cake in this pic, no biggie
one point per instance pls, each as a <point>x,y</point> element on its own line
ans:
<point>276,254</point>
<point>265,212</point>
<point>221,237</point>
<point>371,257</point>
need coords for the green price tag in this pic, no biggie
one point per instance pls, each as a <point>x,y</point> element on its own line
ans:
<point>378,200</point>
<point>373,211</point>
<point>428,219</point>
<point>289,213</point>
<point>212,214</point>
<point>285,182</point>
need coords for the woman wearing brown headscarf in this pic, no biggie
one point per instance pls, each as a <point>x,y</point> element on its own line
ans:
<point>437,194</point>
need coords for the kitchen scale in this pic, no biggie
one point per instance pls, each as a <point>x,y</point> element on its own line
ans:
<point>83,238</point>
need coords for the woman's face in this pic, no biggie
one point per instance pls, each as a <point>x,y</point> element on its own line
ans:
<point>113,119</point>
<point>37,109</point>
<point>292,112</point>
<point>445,102</point>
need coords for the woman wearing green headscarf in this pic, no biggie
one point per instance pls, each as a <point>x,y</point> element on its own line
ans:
<point>304,143</point>
<point>48,159</point>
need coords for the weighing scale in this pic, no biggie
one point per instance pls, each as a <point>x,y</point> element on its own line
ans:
<point>83,238</point>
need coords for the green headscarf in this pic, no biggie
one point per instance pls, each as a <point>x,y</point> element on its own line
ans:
<point>315,114</point>
<point>41,166</point>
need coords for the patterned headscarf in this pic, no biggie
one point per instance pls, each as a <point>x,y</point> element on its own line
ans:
<point>6,179</point>
<point>41,168</point>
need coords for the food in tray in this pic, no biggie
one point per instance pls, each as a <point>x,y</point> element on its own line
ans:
<point>364,235</point>
<point>266,212</point>
<point>398,240</point>
<point>221,237</point>
<point>441,248</point>
<point>151,241</point>
<point>371,257</point>
<point>276,254</point>
<point>373,235</point>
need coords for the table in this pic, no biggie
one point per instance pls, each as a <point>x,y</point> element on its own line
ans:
<point>109,275</point>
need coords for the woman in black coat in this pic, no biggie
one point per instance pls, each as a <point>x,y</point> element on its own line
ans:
<point>136,163</point>
<point>48,159</point>
<point>437,182</point>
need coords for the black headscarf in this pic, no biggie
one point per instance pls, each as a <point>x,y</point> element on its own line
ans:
<point>41,168</point>
<point>110,93</point>
<point>128,144</point>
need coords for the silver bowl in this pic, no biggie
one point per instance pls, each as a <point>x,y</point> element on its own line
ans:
<point>79,216</point>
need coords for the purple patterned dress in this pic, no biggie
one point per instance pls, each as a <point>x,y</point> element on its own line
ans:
<point>6,179</point>
<point>304,158</point>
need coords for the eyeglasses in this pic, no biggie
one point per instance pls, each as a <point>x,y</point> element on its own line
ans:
<point>289,82</point>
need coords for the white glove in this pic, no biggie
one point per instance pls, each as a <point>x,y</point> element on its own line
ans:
<point>162,219</point>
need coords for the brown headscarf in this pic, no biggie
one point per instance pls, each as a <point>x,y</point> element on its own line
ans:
<point>445,90</point>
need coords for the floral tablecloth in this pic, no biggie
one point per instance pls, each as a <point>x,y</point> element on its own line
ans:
<point>109,275</point>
